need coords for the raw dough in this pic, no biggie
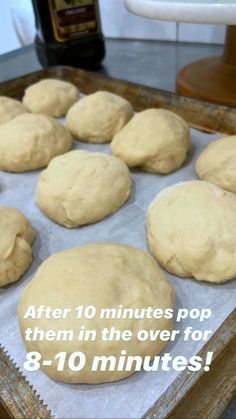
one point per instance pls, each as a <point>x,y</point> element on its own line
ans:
<point>82,188</point>
<point>217,163</point>
<point>192,231</point>
<point>98,117</point>
<point>51,97</point>
<point>104,276</point>
<point>10,108</point>
<point>16,237</point>
<point>29,142</point>
<point>156,140</point>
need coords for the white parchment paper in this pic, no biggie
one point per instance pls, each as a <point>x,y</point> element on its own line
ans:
<point>129,398</point>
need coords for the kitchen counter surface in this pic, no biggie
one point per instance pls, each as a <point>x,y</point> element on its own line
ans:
<point>146,62</point>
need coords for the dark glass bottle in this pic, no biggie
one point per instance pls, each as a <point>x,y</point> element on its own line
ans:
<point>68,33</point>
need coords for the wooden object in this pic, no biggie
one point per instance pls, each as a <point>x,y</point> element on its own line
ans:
<point>214,78</point>
<point>199,395</point>
<point>204,395</point>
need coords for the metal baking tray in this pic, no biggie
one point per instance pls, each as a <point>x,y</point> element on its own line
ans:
<point>197,395</point>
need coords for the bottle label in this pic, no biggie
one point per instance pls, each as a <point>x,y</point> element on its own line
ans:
<point>72,19</point>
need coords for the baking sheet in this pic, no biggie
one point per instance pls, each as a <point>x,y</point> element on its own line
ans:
<point>129,398</point>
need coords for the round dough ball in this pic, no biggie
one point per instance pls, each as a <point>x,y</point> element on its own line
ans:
<point>98,117</point>
<point>51,97</point>
<point>217,163</point>
<point>16,238</point>
<point>9,109</point>
<point>102,275</point>
<point>29,142</point>
<point>81,188</point>
<point>155,140</point>
<point>192,231</point>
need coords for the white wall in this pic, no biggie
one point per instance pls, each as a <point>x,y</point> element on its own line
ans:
<point>8,37</point>
<point>117,23</point>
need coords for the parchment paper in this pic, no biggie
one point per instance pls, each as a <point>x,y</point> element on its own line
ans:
<point>129,398</point>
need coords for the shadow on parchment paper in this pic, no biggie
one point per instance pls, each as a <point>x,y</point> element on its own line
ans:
<point>131,199</point>
<point>41,241</point>
<point>176,326</point>
<point>190,157</point>
<point>2,188</point>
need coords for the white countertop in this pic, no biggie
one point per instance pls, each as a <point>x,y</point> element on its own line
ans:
<point>194,11</point>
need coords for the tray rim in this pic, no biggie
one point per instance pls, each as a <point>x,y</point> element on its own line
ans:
<point>217,119</point>
<point>193,111</point>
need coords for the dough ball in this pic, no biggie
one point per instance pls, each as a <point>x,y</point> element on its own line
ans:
<point>16,238</point>
<point>192,231</point>
<point>103,275</point>
<point>51,97</point>
<point>9,109</point>
<point>155,140</point>
<point>81,188</point>
<point>29,142</point>
<point>98,117</point>
<point>217,163</point>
